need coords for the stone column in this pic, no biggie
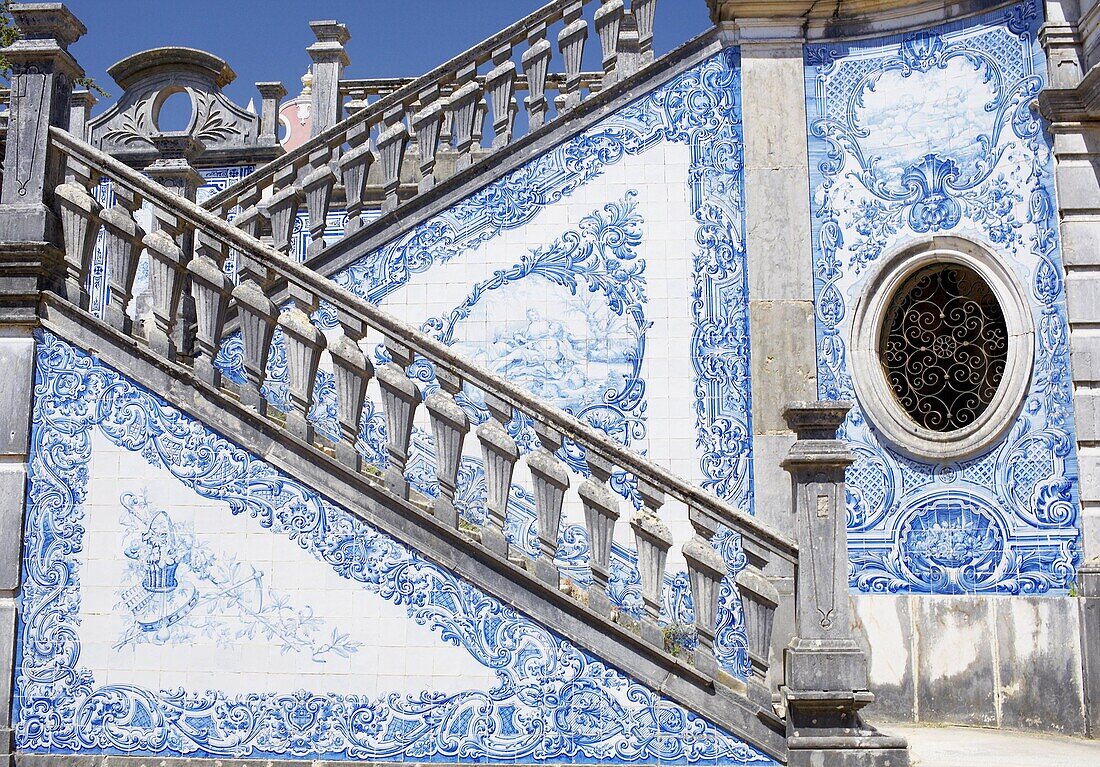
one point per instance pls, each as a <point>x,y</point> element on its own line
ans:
<point>41,88</point>
<point>826,671</point>
<point>329,60</point>
<point>1072,106</point>
<point>30,261</point>
<point>271,94</point>
<point>780,260</point>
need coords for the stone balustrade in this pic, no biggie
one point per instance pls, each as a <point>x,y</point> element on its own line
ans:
<point>467,107</point>
<point>187,252</point>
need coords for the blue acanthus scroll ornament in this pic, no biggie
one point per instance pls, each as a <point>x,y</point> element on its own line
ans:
<point>936,133</point>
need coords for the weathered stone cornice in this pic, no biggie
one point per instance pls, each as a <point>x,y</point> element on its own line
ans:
<point>841,19</point>
<point>1073,105</point>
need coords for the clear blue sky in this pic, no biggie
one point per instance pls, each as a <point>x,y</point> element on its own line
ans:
<point>265,41</point>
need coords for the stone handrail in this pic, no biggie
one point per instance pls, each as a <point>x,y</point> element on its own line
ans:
<point>459,95</point>
<point>187,248</point>
<point>359,92</point>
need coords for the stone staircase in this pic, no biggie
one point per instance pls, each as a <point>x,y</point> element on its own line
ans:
<point>199,318</point>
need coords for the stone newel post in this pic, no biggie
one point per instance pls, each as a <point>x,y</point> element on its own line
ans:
<point>41,88</point>
<point>826,671</point>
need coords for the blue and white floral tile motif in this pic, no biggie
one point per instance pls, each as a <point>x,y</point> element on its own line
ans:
<point>581,341</point>
<point>550,701</point>
<point>935,132</point>
<point>699,109</point>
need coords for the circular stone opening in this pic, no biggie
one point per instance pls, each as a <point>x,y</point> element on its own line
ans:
<point>943,346</point>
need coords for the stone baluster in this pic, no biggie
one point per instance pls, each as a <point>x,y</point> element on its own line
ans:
<point>500,454</point>
<point>426,124</point>
<point>170,244</point>
<point>270,96</point>
<point>608,20</point>
<point>536,61</point>
<point>211,289</point>
<point>329,59</point>
<point>79,226</point>
<point>250,218</point>
<point>304,343</point>
<point>481,109</point>
<point>601,512</point>
<point>399,400</point>
<point>462,107</point>
<point>167,269</point>
<point>393,139</point>
<point>653,541</point>
<point>500,85</point>
<point>826,670</point>
<point>644,12</point>
<point>122,240</point>
<point>354,166</point>
<point>256,316</point>
<point>706,569</point>
<point>550,480</point>
<point>759,601</point>
<point>629,56</point>
<point>449,427</point>
<point>281,209</point>
<point>571,41</point>
<point>317,186</point>
<point>351,372</point>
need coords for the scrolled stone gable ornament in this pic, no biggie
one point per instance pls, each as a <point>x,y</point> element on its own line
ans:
<point>231,134</point>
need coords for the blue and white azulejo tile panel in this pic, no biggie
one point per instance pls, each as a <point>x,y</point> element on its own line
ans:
<point>182,597</point>
<point>608,278</point>
<point>936,133</point>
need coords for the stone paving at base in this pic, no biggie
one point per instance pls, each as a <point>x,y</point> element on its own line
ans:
<point>981,747</point>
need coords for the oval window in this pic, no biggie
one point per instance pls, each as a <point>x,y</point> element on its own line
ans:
<point>943,346</point>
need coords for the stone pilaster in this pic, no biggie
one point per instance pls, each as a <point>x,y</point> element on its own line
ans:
<point>41,88</point>
<point>826,671</point>
<point>329,60</point>
<point>1072,106</point>
<point>780,261</point>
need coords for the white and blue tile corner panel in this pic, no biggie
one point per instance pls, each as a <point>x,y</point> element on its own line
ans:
<point>182,597</point>
<point>936,132</point>
<point>607,277</point>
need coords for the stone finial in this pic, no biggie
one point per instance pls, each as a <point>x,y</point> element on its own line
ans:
<point>329,60</point>
<point>80,109</point>
<point>271,94</point>
<point>331,37</point>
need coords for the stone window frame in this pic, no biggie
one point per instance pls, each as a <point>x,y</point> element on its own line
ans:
<point>872,389</point>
